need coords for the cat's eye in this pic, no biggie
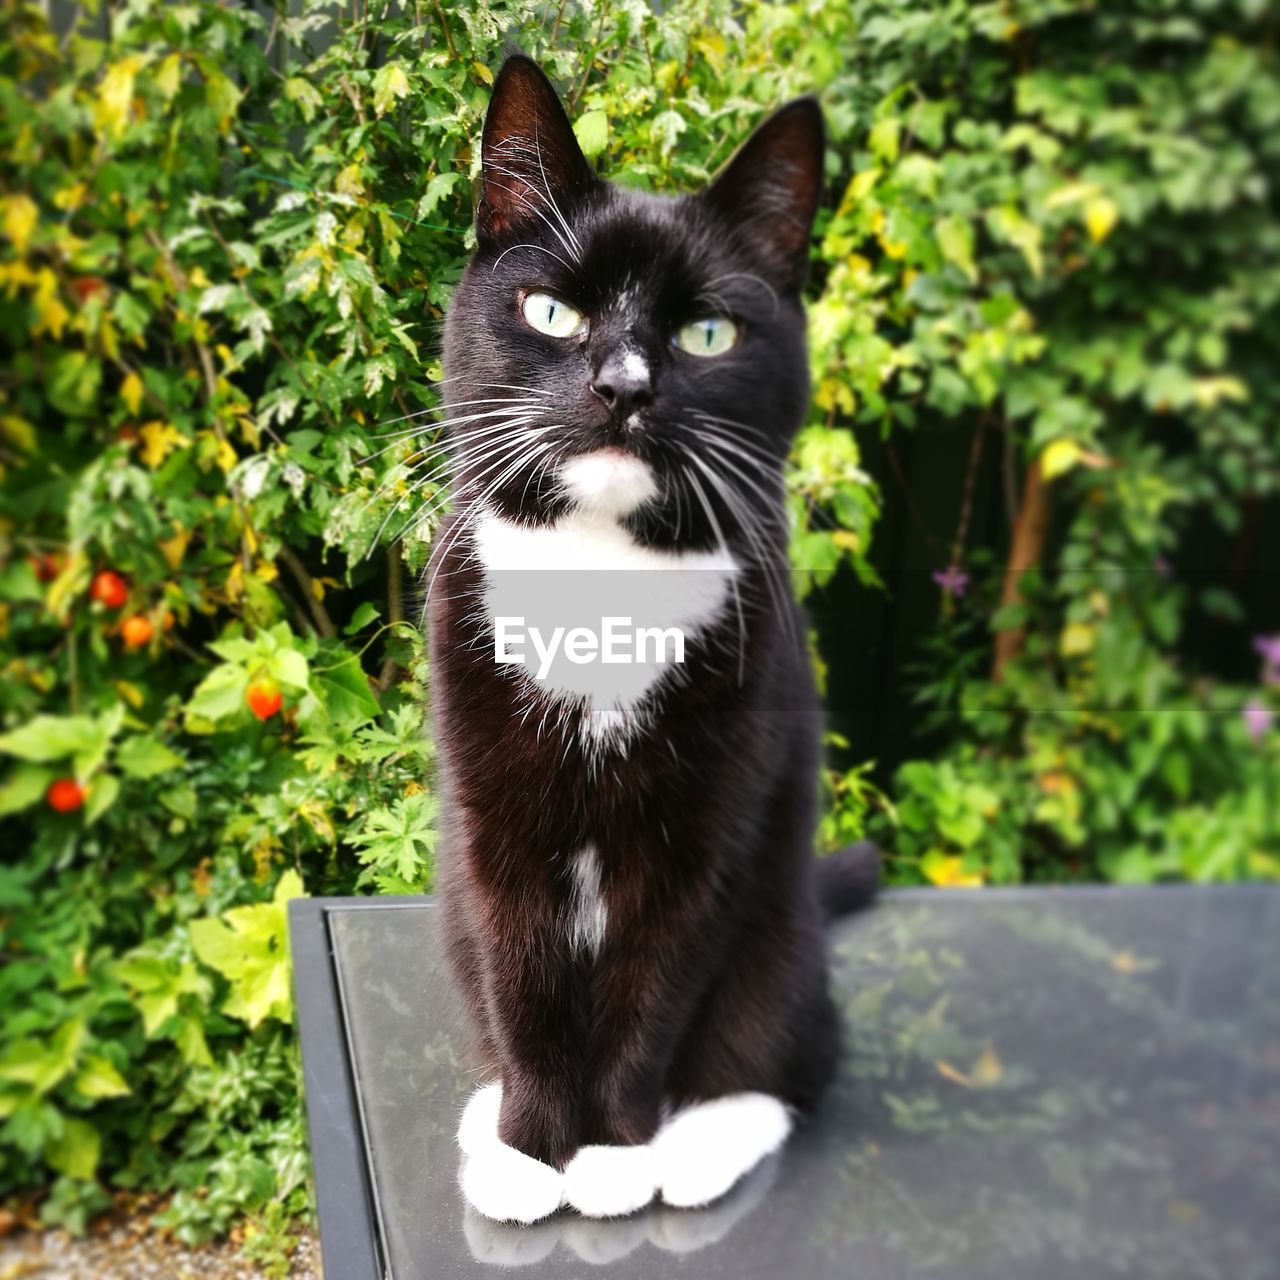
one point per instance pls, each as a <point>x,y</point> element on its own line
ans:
<point>552,316</point>
<point>710,336</point>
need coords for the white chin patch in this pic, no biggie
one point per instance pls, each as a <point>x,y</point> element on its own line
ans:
<point>609,481</point>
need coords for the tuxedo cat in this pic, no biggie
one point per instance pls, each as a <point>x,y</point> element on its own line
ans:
<point>633,910</point>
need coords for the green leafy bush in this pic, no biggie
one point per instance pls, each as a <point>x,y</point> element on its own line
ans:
<point>229,241</point>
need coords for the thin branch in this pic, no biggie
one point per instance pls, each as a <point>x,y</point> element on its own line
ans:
<point>444,24</point>
<point>319,614</point>
<point>916,517</point>
<point>1029,534</point>
<point>395,610</point>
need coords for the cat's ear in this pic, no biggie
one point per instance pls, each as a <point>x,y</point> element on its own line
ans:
<point>769,191</point>
<point>531,161</point>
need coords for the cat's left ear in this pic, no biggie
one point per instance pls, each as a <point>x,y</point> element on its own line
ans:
<point>531,161</point>
<point>771,188</point>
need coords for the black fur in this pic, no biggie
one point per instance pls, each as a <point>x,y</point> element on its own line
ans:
<point>712,975</point>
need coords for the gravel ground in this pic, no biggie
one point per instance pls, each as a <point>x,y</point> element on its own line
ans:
<point>124,1253</point>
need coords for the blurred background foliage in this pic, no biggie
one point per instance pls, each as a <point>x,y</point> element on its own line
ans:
<point>1034,511</point>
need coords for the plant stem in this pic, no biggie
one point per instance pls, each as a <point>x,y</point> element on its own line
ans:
<point>1029,532</point>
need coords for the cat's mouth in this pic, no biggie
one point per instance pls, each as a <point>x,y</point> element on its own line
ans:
<point>608,481</point>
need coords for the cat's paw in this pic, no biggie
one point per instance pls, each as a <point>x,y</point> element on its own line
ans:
<point>610,1182</point>
<point>703,1150</point>
<point>478,1127</point>
<point>497,1180</point>
<point>509,1186</point>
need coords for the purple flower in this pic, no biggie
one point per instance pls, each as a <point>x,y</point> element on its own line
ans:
<point>1162,567</point>
<point>1269,648</point>
<point>1258,718</point>
<point>953,580</point>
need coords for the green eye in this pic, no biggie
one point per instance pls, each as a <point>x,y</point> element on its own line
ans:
<point>551,316</point>
<point>710,336</point>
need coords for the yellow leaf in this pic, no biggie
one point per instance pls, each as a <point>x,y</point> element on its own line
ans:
<point>389,85</point>
<point>1077,639</point>
<point>846,540</point>
<point>483,72</point>
<point>1072,193</point>
<point>226,454</point>
<point>1208,391</point>
<point>173,549</point>
<point>988,1069</point>
<point>947,870</point>
<point>115,97</point>
<point>14,276</point>
<point>20,218</point>
<point>349,182</point>
<point>19,432</point>
<point>169,76</point>
<point>70,198</point>
<point>131,392</point>
<point>267,571</point>
<point>984,1073</point>
<point>51,315</point>
<point>1058,457</point>
<point>1100,216</point>
<point>159,440</point>
<point>130,693</point>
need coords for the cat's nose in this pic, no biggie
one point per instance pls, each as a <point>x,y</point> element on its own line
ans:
<point>624,381</point>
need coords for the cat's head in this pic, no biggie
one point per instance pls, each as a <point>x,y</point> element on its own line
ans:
<point>640,355</point>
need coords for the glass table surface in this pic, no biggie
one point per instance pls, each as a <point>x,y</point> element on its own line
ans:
<point>1054,1084</point>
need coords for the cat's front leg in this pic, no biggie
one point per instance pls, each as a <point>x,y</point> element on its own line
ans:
<point>517,1134</point>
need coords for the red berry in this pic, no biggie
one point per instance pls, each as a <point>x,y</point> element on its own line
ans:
<point>86,287</point>
<point>109,589</point>
<point>47,565</point>
<point>136,630</point>
<point>65,795</point>
<point>264,698</point>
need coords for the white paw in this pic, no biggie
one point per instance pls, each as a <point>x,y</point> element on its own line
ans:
<point>509,1186</point>
<point>704,1149</point>
<point>610,1182</point>
<point>478,1127</point>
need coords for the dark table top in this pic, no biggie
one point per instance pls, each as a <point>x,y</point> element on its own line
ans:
<point>1057,1084</point>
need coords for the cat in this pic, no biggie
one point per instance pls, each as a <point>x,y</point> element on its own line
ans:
<point>632,907</point>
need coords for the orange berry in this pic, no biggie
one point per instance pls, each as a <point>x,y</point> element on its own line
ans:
<point>109,589</point>
<point>65,795</point>
<point>136,631</point>
<point>264,698</point>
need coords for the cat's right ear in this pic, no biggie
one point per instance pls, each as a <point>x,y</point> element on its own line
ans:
<point>531,161</point>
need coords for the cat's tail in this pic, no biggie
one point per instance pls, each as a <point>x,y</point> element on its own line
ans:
<point>848,879</point>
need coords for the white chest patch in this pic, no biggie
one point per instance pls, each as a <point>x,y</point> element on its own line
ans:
<point>588,911</point>
<point>586,574</point>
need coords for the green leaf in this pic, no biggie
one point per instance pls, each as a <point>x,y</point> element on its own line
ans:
<point>219,695</point>
<point>592,131</point>
<point>75,1153</point>
<point>249,946</point>
<point>389,85</point>
<point>142,756</point>
<point>955,239</point>
<point>343,690</point>
<point>439,186</point>
<point>25,785</point>
<point>97,1078</point>
<point>103,791</point>
<point>44,1064</point>
<point>46,738</point>
<point>303,93</point>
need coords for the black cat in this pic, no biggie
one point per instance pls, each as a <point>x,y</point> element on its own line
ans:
<point>633,909</point>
